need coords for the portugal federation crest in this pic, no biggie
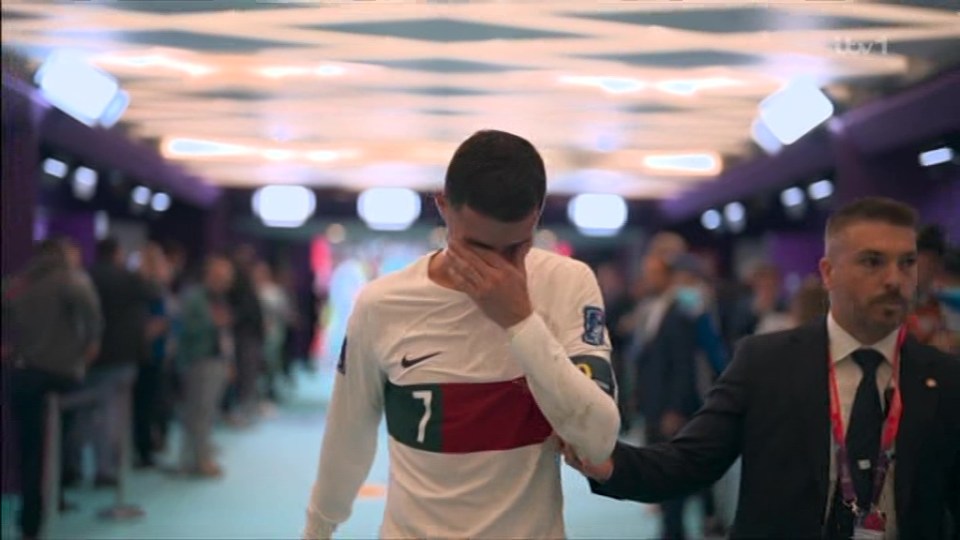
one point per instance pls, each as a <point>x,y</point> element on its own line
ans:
<point>593,325</point>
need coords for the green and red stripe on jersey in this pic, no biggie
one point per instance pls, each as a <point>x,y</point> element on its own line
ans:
<point>459,418</point>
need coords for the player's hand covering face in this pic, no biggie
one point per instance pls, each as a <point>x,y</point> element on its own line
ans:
<point>498,285</point>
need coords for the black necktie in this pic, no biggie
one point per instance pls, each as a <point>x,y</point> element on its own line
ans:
<point>863,440</point>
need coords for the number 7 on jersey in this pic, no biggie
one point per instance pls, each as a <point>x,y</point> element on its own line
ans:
<point>427,397</point>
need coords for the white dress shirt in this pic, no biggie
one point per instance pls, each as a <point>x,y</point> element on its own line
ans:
<point>849,374</point>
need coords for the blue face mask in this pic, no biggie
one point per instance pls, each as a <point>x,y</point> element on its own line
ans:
<point>690,298</point>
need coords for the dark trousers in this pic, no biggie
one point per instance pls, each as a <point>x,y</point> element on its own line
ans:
<point>249,349</point>
<point>146,410</point>
<point>625,402</point>
<point>672,510</point>
<point>30,390</point>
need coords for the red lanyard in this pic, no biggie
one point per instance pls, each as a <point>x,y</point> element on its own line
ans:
<point>890,428</point>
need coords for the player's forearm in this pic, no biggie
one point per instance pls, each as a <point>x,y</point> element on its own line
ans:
<point>349,446</point>
<point>577,409</point>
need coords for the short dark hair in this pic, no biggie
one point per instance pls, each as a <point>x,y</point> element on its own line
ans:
<point>107,249</point>
<point>951,262</point>
<point>51,247</point>
<point>880,209</point>
<point>497,174</point>
<point>932,239</point>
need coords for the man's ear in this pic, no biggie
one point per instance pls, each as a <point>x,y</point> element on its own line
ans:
<point>441,203</point>
<point>826,272</point>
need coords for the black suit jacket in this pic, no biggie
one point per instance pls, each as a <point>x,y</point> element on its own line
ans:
<point>666,368</point>
<point>772,407</point>
<point>125,303</point>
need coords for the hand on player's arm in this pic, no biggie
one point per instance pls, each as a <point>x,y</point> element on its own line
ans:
<point>600,472</point>
<point>498,286</point>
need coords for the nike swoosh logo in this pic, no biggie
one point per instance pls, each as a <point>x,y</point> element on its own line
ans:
<point>410,362</point>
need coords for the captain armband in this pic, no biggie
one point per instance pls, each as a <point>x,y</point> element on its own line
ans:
<point>599,370</point>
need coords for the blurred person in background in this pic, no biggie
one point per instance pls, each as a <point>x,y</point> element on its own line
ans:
<point>926,321</point>
<point>148,394</point>
<point>947,292</point>
<point>205,353</point>
<point>619,302</point>
<point>179,264</point>
<point>667,245</point>
<point>767,299</point>
<point>695,296</point>
<point>277,316</point>
<point>125,298</point>
<point>808,304</point>
<point>665,348</point>
<point>248,328</point>
<point>51,330</point>
<point>170,391</point>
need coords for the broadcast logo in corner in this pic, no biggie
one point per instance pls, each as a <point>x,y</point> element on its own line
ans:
<point>593,325</point>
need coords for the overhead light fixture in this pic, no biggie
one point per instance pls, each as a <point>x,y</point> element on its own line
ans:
<point>595,214</point>
<point>101,225</point>
<point>140,195</point>
<point>794,202</point>
<point>689,87</point>
<point>322,156</point>
<point>611,85</point>
<point>711,220</point>
<point>791,197</point>
<point>736,216</point>
<point>55,168</point>
<point>795,110</point>
<point>388,209</point>
<point>69,82</point>
<point>84,183</point>
<point>278,155</point>
<point>698,163</point>
<point>118,105</point>
<point>764,138</point>
<point>185,147</point>
<point>820,190</point>
<point>154,61</point>
<point>160,202</point>
<point>936,156</point>
<point>282,72</point>
<point>284,206</point>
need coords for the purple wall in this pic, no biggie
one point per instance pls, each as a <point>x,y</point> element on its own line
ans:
<point>19,185</point>
<point>796,252</point>
<point>943,206</point>
<point>899,175</point>
<point>79,227</point>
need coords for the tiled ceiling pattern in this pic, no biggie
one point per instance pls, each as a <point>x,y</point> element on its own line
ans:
<point>366,93</point>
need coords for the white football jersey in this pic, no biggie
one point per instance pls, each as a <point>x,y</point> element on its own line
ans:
<point>472,409</point>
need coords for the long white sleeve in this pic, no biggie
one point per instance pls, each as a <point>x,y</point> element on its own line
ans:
<point>577,408</point>
<point>350,437</point>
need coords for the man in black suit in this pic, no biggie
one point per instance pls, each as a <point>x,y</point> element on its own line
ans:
<point>773,407</point>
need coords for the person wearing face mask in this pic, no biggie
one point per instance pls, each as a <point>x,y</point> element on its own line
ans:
<point>664,350</point>
<point>692,293</point>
